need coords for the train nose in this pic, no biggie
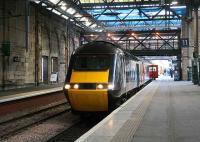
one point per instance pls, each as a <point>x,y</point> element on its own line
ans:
<point>88,100</point>
<point>90,92</point>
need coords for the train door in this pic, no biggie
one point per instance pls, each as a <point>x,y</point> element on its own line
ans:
<point>45,69</point>
<point>138,74</point>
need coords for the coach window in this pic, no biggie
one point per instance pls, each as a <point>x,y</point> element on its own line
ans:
<point>54,65</point>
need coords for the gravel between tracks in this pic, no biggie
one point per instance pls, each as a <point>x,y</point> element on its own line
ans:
<point>45,130</point>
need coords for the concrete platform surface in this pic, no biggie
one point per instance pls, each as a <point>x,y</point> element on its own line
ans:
<point>16,94</point>
<point>164,111</point>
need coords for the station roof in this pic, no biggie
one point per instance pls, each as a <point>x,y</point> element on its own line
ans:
<point>118,15</point>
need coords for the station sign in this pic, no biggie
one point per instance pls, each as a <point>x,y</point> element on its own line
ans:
<point>184,42</point>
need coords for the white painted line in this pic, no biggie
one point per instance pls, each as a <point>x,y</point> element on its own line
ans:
<point>92,130</point>
<point>28,94</point>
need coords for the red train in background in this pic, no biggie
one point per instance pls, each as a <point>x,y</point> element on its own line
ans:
<point>153,71</point>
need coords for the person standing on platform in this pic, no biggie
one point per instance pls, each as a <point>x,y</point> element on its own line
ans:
<point>171,72</point>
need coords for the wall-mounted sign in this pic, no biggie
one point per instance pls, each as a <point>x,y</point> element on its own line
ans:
<point>184,42</point>
<point>54,77</point>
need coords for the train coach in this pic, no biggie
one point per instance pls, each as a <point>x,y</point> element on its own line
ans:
<point>100,75</point>
<point>153,71</point>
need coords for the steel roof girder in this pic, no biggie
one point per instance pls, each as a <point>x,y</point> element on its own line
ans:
<point>120,3</point>
<point>165,52</point>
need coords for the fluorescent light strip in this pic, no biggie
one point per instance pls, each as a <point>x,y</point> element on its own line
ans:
<point>71,11</point>
<point>36,1</point>
<point>54,1</point>
<point>43,4</point>
<point>65,17</point>
<point>63,5</point>
<point>56,12</point>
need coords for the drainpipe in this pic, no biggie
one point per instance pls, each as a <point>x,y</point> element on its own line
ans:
<point>4,36</point>
<point>26,24</point>
<point>36,47</point>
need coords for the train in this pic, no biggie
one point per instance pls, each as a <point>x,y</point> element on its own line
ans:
<point>153,71</point>
<point>101,75</point>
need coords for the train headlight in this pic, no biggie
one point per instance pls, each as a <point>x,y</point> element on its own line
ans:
<point>99,86</point>
<point>67,86</point>
<point>110,86</point>
<point>76,86</point>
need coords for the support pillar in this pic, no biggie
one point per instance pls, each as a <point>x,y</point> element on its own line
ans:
<point>186,53</point>
<point>196,50</point>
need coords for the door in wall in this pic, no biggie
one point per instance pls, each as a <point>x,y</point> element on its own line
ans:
<point>45,69</point>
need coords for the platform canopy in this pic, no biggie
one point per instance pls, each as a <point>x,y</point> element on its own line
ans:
<point>119,15</point>
<point>135,14</point>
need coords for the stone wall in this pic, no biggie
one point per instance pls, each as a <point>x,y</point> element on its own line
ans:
<point>189,31</point>
<point>54,40</point>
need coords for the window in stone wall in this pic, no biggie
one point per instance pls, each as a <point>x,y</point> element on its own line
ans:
<point>54,65</point>
<point>44,69</point>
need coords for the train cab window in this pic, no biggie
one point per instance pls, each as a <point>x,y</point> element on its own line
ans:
<point>91,62</point>
<point>119,71</point>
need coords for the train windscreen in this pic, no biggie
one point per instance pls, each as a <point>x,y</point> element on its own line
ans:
<point>91,62</point>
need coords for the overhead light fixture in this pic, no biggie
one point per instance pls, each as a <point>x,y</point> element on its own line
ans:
<point>87,23</point>
<point>71,11</point>
<point>43,4</point>
<point>36,1</point>
<point>77,15</point>
<point>132,34</point>
<point>174,2</point>
<point>65,17</point>
<point>56,12</point>
<point>49,8</point>
<point>84,19</point>
<point>54,1</point>
<point>109,35</point>
<point>93,25</point>
<point>63,5</point>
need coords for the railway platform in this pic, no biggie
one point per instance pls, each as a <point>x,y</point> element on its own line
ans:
<point>16,103</point>
<point>164,111</point>
<point>21,93</point>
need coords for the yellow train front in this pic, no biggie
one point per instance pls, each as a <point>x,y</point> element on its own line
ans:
<point>99,77</point>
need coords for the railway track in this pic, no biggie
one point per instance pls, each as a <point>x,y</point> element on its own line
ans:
<point>78,129</point>
<point>53,124</point>
<point>13,126</point>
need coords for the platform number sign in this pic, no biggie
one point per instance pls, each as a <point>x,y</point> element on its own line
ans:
<point>184,42</point>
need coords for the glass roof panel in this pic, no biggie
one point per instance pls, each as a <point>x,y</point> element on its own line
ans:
<point>103,1</point>
<point>149,16</point>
